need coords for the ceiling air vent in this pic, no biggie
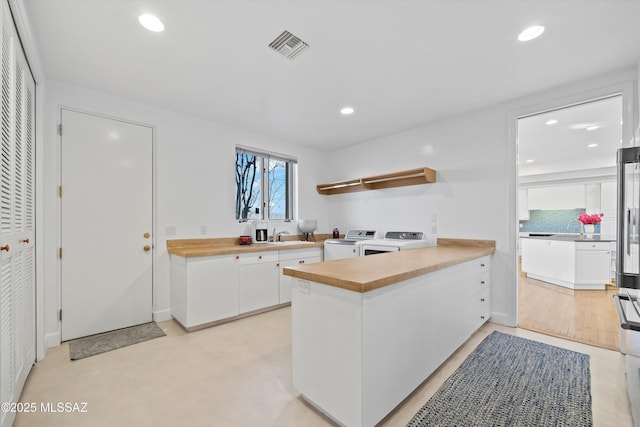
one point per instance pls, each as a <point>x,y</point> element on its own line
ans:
<point>288,45</point>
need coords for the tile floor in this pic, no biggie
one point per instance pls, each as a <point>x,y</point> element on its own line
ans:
<point>238,374</point>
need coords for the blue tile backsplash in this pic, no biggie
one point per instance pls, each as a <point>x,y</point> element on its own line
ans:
<point>553,221</point>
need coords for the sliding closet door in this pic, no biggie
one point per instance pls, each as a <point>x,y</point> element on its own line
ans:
<point>17,215</point>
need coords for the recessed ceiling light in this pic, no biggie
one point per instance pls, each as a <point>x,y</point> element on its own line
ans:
<point>551,122</point>
<point>592,145</point>
<point>531,33</point>
<point>593,127</point>
<point>529,161</point>
<point>151,23</point>
<point>346,111</point>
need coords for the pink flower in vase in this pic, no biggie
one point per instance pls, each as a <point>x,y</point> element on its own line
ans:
<point>585,218</point>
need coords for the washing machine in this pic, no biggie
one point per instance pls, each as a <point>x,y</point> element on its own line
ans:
<point>348,247</point>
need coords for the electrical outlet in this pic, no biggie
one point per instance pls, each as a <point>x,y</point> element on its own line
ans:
<point>203,229</point>
<point>303,286</point>
<point>170,230</point>
<point>434,229</point>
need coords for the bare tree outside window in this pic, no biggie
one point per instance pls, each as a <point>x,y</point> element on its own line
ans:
<point>277,189</point>
<point>247,186</point>
<point>265,182</point>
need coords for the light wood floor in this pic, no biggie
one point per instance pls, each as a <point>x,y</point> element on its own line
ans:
<point>239,374</point>
<point>589,317</point>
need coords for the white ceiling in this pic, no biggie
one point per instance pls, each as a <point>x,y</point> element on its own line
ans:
<point>564,146</point>
<point>399,63</point>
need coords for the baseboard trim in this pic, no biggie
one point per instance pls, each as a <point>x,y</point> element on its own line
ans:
<point>502,319</point>
<point>52,340</point>
<point>162,315</point>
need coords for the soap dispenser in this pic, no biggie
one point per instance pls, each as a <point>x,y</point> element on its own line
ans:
<point>336,232</point>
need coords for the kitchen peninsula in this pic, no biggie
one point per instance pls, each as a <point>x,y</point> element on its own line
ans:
<point>572,261</point>
<point>367,331</point>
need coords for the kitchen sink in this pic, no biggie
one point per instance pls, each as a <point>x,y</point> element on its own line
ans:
<point>290,242</point>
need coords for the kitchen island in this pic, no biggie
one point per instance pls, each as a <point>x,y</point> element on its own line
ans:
<point>368,331</point>
<point>571,261</point>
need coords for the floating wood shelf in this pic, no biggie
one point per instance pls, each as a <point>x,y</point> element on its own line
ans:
<point>376,182</point>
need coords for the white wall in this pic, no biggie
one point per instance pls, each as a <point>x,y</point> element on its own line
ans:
<point>474,155</point>
<point>470,198</point>
<point>194,182</point>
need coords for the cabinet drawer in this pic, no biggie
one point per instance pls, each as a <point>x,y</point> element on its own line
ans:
<point>484,263</point>
<point>483,300</point>
<point>592,246</point>
<point>299,253</point>
<point>483,305</point>
<point>482,282</point>
<point>257,257</point>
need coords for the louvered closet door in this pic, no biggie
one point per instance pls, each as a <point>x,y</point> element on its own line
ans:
<point>17,195</point>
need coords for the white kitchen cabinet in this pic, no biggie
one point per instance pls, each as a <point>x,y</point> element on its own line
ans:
<point>212,289</point>
<point>609,207</point>
<point>569,263</point>
<point>204,289</point>
<point>593,263</point>
<point>258,281</point>
<point>292,258</point>
<point>523,205</point>
<point>557,198</point>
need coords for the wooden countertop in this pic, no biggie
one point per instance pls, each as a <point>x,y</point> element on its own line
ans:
<point>189,248</point>
<point>363,274</point>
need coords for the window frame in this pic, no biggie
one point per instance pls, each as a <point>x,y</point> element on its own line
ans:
<point>265,196</point>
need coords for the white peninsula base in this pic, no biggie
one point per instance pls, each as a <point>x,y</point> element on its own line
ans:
<point>356,356</point>
<point>573,264</point>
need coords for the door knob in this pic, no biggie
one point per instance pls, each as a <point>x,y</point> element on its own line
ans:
<point>5,248</point>
<point>146,235</point>
<point>146,248</point>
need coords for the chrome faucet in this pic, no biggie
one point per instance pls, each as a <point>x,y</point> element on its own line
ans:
<point>581,226</point>
<point>279,234</point>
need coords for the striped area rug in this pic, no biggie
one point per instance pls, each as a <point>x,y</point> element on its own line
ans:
<point>512,381</point>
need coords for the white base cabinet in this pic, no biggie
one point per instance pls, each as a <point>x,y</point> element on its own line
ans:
<point>571,264</point>
<point>356,356</point>
<point>213,289</point>
<point>204,289</point>
<point>293,258</point>
<point>258,281</point>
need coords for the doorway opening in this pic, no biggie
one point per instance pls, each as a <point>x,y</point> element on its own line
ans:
<point>566,170</point>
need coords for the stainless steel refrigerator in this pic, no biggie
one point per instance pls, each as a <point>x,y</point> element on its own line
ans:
<point>628,253</point>
<point>627,271</point>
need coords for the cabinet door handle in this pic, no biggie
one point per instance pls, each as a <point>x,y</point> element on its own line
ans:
<point>481,265</point>
<point>482,317</point>
<point>25,241</point>
<point>482,299</point>
<point>5,248</point>
<point>237,257</point>
<point>260,257</point>
<point>482,282</point>
<point>278,265</point>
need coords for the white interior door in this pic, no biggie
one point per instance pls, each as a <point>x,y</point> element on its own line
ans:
<point>106,224</point>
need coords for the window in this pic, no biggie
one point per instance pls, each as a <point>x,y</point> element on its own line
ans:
<point>264,185</point>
